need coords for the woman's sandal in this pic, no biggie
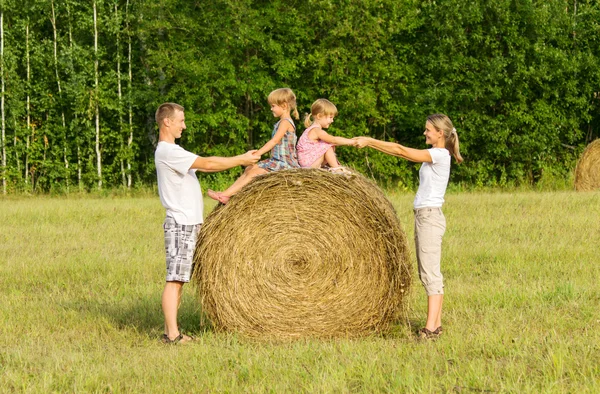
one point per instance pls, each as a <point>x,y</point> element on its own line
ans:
<point>178,339</point>
<point>424,333</point>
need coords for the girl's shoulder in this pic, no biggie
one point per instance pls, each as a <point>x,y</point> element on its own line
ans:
<point>289,120</point>
<point>313,127</point>
<point>318,129</point>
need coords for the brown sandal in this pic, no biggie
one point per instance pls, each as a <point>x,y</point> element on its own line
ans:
<point>178,339</point>
<point>424,333</point>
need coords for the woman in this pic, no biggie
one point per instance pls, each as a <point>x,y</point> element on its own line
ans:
<point>430,223</point>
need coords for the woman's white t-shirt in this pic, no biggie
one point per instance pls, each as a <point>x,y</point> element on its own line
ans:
<point>178,186</point>
<point>433,179</point>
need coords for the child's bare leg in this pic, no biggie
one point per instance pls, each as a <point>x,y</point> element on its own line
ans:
<point>249,173</point>
<point>318,163</point>
<point>241,180</point>
<point>331,159</point>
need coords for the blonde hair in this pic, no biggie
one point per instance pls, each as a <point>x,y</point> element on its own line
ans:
<point>166,110</point>
<point>443,123</point>
<point>284,96</point>
<point>320,107</point>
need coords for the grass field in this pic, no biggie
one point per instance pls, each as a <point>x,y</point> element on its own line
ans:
<point>81,279</point>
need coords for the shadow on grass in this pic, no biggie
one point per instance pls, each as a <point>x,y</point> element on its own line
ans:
<point>144,315</point>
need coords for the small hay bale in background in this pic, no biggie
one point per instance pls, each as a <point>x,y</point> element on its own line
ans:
<point>303,253</point>
<point>587,172</point>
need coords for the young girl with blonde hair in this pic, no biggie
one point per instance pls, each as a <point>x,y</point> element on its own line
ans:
<point>282,145</point>
<point>316,147</point>
<point>430,223</point>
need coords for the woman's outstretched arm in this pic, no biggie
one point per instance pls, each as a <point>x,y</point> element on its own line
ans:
<point>394,149</point>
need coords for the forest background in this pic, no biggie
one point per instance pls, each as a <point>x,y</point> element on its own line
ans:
<point>81,81</point>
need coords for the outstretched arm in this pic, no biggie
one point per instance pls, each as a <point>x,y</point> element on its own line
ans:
<point>217,163</point>
<point>283,128</point>
<point>391,148</point>
<point>324,136</point>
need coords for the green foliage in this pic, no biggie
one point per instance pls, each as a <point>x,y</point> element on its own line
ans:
<point>520,79</point>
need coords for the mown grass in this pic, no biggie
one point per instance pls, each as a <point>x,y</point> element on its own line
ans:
<point>81,278</point>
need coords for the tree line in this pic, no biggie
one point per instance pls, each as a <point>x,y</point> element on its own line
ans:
<point>80,81</point>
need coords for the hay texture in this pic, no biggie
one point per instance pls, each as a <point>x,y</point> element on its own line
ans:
<point>303,253</point>
<point>587,172</point>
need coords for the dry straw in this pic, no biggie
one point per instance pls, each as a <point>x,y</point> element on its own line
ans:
<point>587,173</point>
<point>303,253</point>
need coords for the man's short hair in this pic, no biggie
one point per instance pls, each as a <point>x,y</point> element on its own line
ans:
<point>166,110</point>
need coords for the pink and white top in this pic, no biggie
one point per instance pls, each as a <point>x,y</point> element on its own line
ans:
<point>310,151</point>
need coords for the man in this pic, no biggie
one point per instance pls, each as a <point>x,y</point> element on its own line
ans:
<point>180,194</point>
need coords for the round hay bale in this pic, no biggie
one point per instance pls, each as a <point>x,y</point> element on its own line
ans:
<point>303,253</point>
<point>587,172</point>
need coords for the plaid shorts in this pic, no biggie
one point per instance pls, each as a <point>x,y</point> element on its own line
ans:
<point>180,242</point>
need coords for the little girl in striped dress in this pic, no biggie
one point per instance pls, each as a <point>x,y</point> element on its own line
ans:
<point>315,147</point>
<point>282,145</point>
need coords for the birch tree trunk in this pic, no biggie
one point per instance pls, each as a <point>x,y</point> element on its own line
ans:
<point>120,97</point>
<point>77,139</point>
<point>15,148</point>
<point>130,139</point>
<point>62,111</point>
<point>28,102</point>
<point>2,102</point>
<point>98,153</point>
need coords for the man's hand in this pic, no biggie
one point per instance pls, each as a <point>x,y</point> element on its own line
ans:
<point>249,158</point>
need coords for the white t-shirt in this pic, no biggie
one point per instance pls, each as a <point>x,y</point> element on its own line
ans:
<point>433,179</point>
<point>178,186</point>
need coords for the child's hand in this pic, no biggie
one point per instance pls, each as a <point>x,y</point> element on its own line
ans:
<point>254,153</point>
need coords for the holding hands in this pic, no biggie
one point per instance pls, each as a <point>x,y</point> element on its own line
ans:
<point>249,158</point>
<point>361,142</point>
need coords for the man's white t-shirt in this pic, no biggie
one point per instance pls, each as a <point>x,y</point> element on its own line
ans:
<point>178,187</point>
<point>433,179</point>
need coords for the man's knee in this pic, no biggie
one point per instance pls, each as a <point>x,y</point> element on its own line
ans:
<point>174,284</point>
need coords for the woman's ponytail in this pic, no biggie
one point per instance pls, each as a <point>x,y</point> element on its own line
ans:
<point>453,146</point>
